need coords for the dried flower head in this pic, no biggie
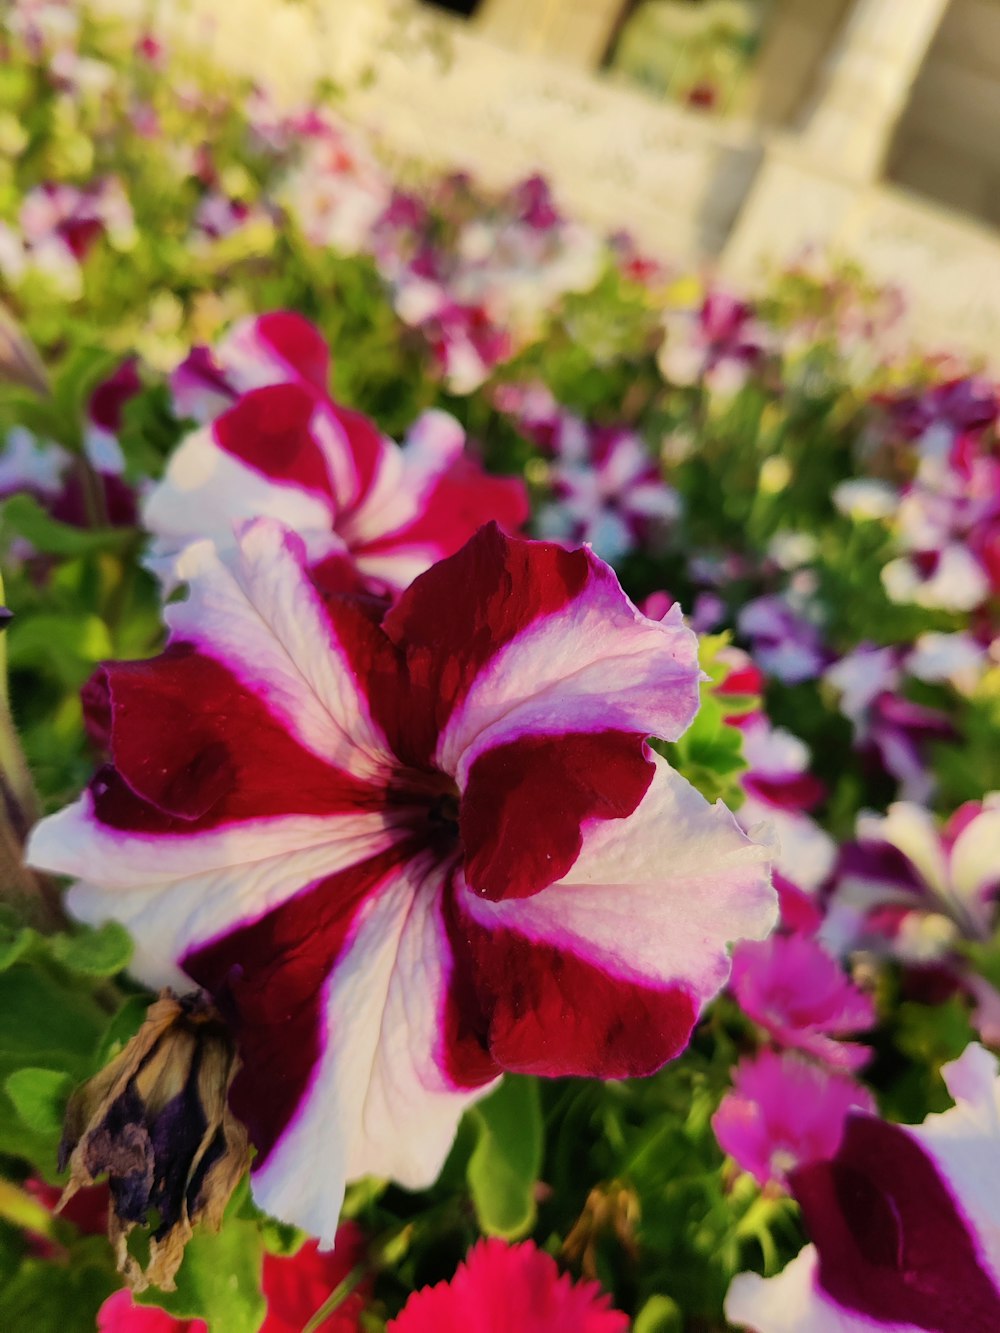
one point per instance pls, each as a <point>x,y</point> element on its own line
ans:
<point>157,1121</point>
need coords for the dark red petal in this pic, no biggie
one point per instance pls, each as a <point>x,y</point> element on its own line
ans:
<point>267,978</point>
<point>193,748</point>
<point>269,430</point>
<point>525,804</point>
<point>534,1008</point>
<point>299,343</point>
<point>458,615</point>
<point>892,1244</point>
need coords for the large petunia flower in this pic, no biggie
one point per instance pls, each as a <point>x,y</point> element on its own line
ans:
<point>905,1221</point>
<point>404,857</point>
<point>282,448</point>
<point>501,1288</point>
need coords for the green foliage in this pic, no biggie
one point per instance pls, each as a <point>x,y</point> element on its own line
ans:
<point>504,1165</point>
<point>219,1280</point>
<point>710,753</point>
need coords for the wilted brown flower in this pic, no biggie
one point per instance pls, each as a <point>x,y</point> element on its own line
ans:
<point>156,1119</point>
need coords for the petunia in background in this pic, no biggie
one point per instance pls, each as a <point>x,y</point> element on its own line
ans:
<point>346,833</point>
<point>285,449</point>
<point>903,1220</point>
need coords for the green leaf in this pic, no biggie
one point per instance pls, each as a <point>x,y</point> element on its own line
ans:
<point>60,1298</point>
<point>505,1162</point>
<point>23,516</point>
<point>659,1315</point>
<point>219,1280</point>
<point>64,646</point>
<point>39,1097</point>
<point>15,942</point>
<point>100,952</point>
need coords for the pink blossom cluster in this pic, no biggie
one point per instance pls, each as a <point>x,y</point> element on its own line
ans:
<point>476,283</point>
<point>719,343</point>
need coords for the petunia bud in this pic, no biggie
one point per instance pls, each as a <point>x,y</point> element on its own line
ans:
<point>19,361</point>
<point>156,1119</point>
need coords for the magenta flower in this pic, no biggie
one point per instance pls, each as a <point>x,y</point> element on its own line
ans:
<point>912,890</point>
<point>406,857</point>
<point>286,450</point>
<point>501,1288</point>
<point>798,993</point>
<point>905,1224</point>
<point>784,1111</point>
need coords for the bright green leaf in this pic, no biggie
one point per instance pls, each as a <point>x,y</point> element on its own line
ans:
<point>100,952</point>
<point>505,1162</point>
<point>39,1097</point>
<point>219,1280</point>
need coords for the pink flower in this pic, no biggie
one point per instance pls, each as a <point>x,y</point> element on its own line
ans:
<point>949,521</point>
<point>783,1112</point>
<point>797,992</point>
<point>905,1224</point>
<point>337,191</point>
<point>503,1288</point>
<point>406,857</point>
<point>120,1314</point>
<point>294,1287</point>
<point>55,478</point>
<point>285,449</point>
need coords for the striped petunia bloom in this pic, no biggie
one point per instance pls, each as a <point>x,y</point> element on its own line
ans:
<point>405,856</point>
<point>905,1223</point>
<point>275,444</point>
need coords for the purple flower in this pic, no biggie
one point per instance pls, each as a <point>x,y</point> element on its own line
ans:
<point>887,724</point>
<point>785,644</point>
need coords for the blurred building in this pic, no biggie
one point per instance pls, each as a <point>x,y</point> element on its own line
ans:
<point>738,130</point>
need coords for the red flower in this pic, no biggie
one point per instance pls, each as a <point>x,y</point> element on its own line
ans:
<point>501,1288</point>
